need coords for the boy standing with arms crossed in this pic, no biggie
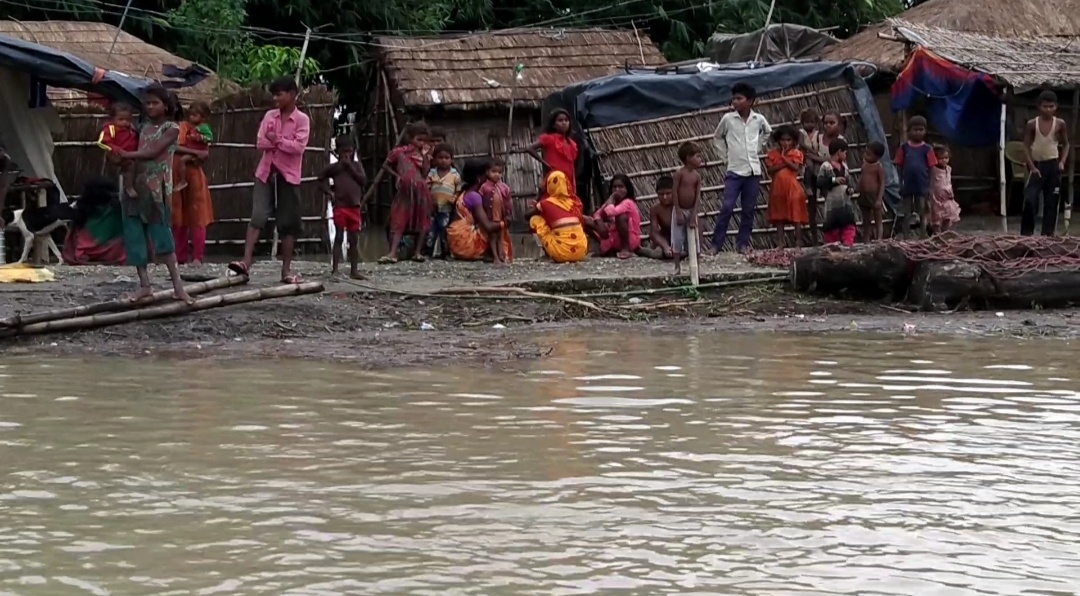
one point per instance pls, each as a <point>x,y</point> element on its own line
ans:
<point>739,139</point>
<point>282,138</point>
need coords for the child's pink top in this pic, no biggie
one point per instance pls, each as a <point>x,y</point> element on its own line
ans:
<point>286,152</point>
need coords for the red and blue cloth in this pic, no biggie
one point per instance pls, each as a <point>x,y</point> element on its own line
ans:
<point>960,102</point>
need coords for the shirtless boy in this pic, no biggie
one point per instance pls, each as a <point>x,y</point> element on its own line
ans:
<point>687,183</point>
<point>660,218</point>
<point>872,191</point>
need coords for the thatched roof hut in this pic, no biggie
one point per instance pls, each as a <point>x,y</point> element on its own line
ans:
<point>464,84</point>
<point>1020,63</point>
<point>1020,19</point>
<point>474,72</point>
<point>92,42</point>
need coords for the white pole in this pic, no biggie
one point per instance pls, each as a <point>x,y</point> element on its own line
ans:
<point>303,54</point>
<point>1001,169</point>
<point>691,247</point>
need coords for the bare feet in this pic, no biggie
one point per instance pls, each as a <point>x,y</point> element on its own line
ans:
<point>182,296</point>
<point>357,276</point>
<point>141,294</point>
<point>623,255</point>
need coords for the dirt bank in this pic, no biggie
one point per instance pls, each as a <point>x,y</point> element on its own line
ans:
<point>394,321</point>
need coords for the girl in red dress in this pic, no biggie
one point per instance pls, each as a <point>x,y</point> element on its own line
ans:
<point>557,150</point>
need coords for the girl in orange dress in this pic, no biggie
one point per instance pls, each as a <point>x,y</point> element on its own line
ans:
<point>787,198</point>
<point>192,208</point>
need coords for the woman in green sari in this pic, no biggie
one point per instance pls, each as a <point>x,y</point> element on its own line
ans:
<point>146,216</point>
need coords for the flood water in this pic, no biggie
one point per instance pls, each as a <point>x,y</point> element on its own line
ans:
<point>756,464</point>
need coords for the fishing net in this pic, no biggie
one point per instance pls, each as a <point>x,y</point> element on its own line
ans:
<point>1000,256</point>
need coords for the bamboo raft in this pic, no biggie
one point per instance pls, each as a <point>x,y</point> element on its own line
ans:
<point>157,305</point>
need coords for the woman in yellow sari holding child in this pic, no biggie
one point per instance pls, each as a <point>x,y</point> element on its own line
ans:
<point>558,224</point>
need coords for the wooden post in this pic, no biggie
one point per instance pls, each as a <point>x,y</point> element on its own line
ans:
<point>1072,161</point>
<point>691,247</point>
<point>1002,184</point>
<point>41,243</point>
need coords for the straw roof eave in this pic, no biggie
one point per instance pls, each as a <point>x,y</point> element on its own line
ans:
<point>1000,18</point>
<point>1020,63</point>
<point>93,42</point>
<point>476,72</point>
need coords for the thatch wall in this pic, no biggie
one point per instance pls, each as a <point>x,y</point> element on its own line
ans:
<point>92,42</point>
<point>230,169</point>
<point>647,149</point>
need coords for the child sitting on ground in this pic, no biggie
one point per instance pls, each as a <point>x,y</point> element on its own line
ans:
<point>944,210</point>
<point>619,220</point>
<point>119,134</point>
<point>445,184</point>
<point>346,195</point>
<point>839,224</point>
<point>687,189</point>
<point>199,137</point>
<point>787,199</point>
<point>661,218</point>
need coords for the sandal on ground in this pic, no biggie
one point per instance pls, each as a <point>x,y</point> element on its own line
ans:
<point>419,259</point>
<point>388,260</point>
<point>292,279</point>
<point>239,268</point>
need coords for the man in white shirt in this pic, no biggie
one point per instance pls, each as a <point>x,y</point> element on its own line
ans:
<point>739,139</point>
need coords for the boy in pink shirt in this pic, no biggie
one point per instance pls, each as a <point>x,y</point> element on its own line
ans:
<point>282,138</point>
<point>619,220</point>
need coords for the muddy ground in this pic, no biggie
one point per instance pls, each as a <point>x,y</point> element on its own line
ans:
<point>394,320</point>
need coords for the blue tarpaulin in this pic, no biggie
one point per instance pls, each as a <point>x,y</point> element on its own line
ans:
<point>60,69</point>
<point>637,96</point>
<point>959,102</point>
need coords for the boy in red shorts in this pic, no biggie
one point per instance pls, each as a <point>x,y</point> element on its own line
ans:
<point>347,196</point>
<point>119,134</point>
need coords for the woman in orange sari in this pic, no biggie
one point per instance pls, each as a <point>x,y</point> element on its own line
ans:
<point>471,232</point>
<point>192,208</point>
<point>557,222</point>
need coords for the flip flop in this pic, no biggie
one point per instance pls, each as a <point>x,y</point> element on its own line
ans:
<point>419,259</point>
<point>388,260</point>
<point>239,268</point>
<point>292,279</point>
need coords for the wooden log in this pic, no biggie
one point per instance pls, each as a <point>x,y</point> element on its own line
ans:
<point>869,271</point>
<point>1051,288</point>
<point>946,285</point>
<point>166,310</point>
<point>120,304</point>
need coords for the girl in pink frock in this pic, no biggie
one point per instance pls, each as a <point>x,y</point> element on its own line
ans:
<point>944,210</point>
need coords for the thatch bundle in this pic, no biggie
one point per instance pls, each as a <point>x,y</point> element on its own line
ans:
<point>476,71</point>
<point>1020,19</point>
<point>647,149</point>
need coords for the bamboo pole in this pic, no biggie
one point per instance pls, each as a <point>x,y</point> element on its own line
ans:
<point>398,134</point>
<point>120,304</point>
<point>169,309</point>
<point>1002,183</point>
<point>1072,160</point>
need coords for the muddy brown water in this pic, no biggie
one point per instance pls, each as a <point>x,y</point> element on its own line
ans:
<point>720,464</point>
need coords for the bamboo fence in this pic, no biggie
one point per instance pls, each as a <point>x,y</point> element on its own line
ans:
<point>646,149</point>
<point>230,169</point>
